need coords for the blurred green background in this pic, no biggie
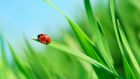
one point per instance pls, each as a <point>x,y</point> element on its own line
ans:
<point>96,39</point>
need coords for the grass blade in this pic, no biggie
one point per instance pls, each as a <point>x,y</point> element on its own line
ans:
<point>80,55</point>
<point>103,44</point>
<point>4,60</point>
<point>20,65</point>
<point>91,18</point>
<point>104,47</point>
<point>85,42</point>
<point>128,68</point>
<point>130,56</point>
<point>38,65</point>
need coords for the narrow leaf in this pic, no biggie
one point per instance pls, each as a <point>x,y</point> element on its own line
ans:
<point>127,67</point>
<point>20,65</point>
<point>80,55</point>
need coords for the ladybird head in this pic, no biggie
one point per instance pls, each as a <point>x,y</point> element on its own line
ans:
<point>41,35</point>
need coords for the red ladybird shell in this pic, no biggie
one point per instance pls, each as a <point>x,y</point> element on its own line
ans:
<point>44,38</point>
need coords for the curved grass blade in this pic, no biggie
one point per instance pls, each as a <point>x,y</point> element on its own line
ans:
<point>104,47</point>
<point>130,56</point>
<point>80,55</point>
<point>129,73</point>
<point>91,18</point>
<point>84,41</point>
<point>38,64</point>
<point>135,3</point>
<point>128,69</point>
<point>4,60</point>
<point>82,37</point>
<point>20,65</point>
<point>103,44</point>
<point>87,45</point>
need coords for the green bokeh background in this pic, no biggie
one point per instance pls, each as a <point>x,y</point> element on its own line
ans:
<point>23,58</point>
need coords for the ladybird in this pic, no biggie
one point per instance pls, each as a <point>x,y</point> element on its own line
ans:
<point>44,38</point>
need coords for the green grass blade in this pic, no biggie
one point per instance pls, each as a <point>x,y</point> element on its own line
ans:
<point>99,36</point>
<point>83,39</point>
<point>89,12</point>
<point>129,53</point>
<point>129,74</point>
<point>91,18</point>
<point>104,47</point>
<point>4,60</point>
<point>128,69</point>
<point>135,3</point>
<point>38,65</point>
<point>20,65</point>
<point>56,8</point>
<point>91,21</point>
<point>80,55</point>
<point>29,47</point>
<point>87,45</point>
